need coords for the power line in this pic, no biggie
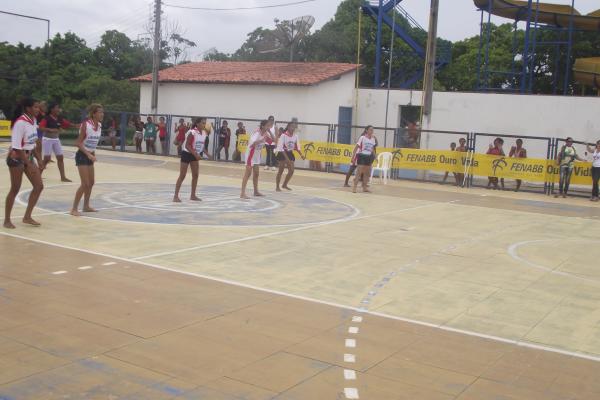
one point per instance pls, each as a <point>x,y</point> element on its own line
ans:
<point>240,8</point>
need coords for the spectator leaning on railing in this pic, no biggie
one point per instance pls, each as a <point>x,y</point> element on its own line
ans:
<point>595,169</point>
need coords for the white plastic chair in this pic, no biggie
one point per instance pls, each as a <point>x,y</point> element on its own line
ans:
<point>384,164</point>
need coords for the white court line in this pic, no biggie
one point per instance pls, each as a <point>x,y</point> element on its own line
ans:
<point>59,272</point>
<point>353,330</point>
<point>349,358</point>
<point>349,375</point>
<point>351,393</point>
<point>106,264</point>
<point>513,252</point>
<point>357,319</point>
<point>351,343</point>
<point>269,234</point>
<point>85,268</point>
<point>515,342</point>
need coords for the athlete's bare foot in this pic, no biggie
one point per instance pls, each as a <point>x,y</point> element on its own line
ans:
<point>75,213</point>
<point>195,198</point>
<point>346,185</point>
<point>9,225</point>
<point>353,190</point>
<point>278,189</point>
<point>176,200</point>
<point>258,194</point>
<point>65,180</point>
<point>89,209</point>
<point>286,187</point>
<point>366,191</point>
<point>31,221</point>
<point>244,197</point>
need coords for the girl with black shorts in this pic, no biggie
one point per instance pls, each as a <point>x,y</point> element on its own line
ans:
<point>363,155</point>
<point>89,136</point>
<point>286,145</point>
<point>193,147</point>
<point>21,160</point>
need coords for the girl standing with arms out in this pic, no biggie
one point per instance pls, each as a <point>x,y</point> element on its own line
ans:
<point>20,160</point>
<point>52,126</point>
<point>518,151</point>
<point>193,147</point>
<point>286,145</point>
<point>363,155</point>
<point>89,136</point>
<point>595,169</point>
<point>253,157</point>
<point>150,136</point>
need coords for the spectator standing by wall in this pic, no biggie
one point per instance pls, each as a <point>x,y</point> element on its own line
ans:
<point>181,128</point>
<point>138,137</point>
<point>452,148</point>
<point>566,160</point>
<point>224,138</point>
<point>162,135</point>
<point>270,163</point>
<point>496,150</point>
<point>518,151</point>
<point>595,169</point>
<point>150,131</point>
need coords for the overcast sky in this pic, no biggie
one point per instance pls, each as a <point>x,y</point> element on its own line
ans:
<point>224,30</point>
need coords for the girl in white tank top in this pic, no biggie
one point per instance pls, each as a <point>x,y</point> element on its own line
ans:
<point>89,135</point>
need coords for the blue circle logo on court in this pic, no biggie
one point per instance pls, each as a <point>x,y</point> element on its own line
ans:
<point>220,205</point>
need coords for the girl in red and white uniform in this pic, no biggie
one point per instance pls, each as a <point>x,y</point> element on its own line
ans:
<point>363,155</point>
<point>87,141</point>
<point>257,141</point>
<point>194,145</point>
<point>287,143</point>
<point>20,160</point>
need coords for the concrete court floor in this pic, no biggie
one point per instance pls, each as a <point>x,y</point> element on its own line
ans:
<point>518,268</point>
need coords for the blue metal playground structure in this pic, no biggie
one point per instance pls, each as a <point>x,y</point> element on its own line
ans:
<point>380,11</point>
<point>561,20</point>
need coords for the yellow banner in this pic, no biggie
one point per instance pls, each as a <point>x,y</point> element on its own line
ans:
<point>527,169</point>
<point>4,128</point>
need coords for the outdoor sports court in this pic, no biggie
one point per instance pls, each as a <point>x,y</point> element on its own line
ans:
<point>416,291</point>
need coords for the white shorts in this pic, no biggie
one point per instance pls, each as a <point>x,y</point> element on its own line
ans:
<point>139,135</point>
<point>50,145</point>
<point>253,157</point>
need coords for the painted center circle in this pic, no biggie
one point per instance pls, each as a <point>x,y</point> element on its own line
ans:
<point>220,205</point>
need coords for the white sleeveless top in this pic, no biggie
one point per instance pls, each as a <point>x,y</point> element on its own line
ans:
<point>92,136</point>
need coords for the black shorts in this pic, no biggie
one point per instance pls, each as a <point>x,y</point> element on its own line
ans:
<point>81,159</point>
<point>13,162</point>
<point>290,154</point>
<point>187,157</point>
<point>364,159</point>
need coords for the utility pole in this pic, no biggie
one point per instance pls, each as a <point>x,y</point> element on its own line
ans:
<point>156,57</point>
<point>430,61</point>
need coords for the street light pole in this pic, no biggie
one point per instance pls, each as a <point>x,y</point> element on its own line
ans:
<point>430,61</point>
<point>156,58</point>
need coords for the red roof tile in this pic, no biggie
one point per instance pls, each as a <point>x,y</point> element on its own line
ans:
<point>260,73</point>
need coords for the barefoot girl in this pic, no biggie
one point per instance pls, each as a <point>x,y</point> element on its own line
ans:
<point>286,145</point>
<point>193,147</point>
<point>89,135</point>
<point>20,160</point>
<point>253,157</point>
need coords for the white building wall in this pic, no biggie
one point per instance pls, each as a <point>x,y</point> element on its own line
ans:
<point>527,115</point>
<point>530,115</point>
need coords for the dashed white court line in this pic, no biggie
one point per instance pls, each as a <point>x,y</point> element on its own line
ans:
<point>107,264</point>
<point>353,330</point>
<point>357,319</point>
<point>351,393</point>
<point>60,272</point>
<point>349,358</point>
<point>349,375</point>
<point>442,327</point>
<point>85,268</point>
<point>350,343</point>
